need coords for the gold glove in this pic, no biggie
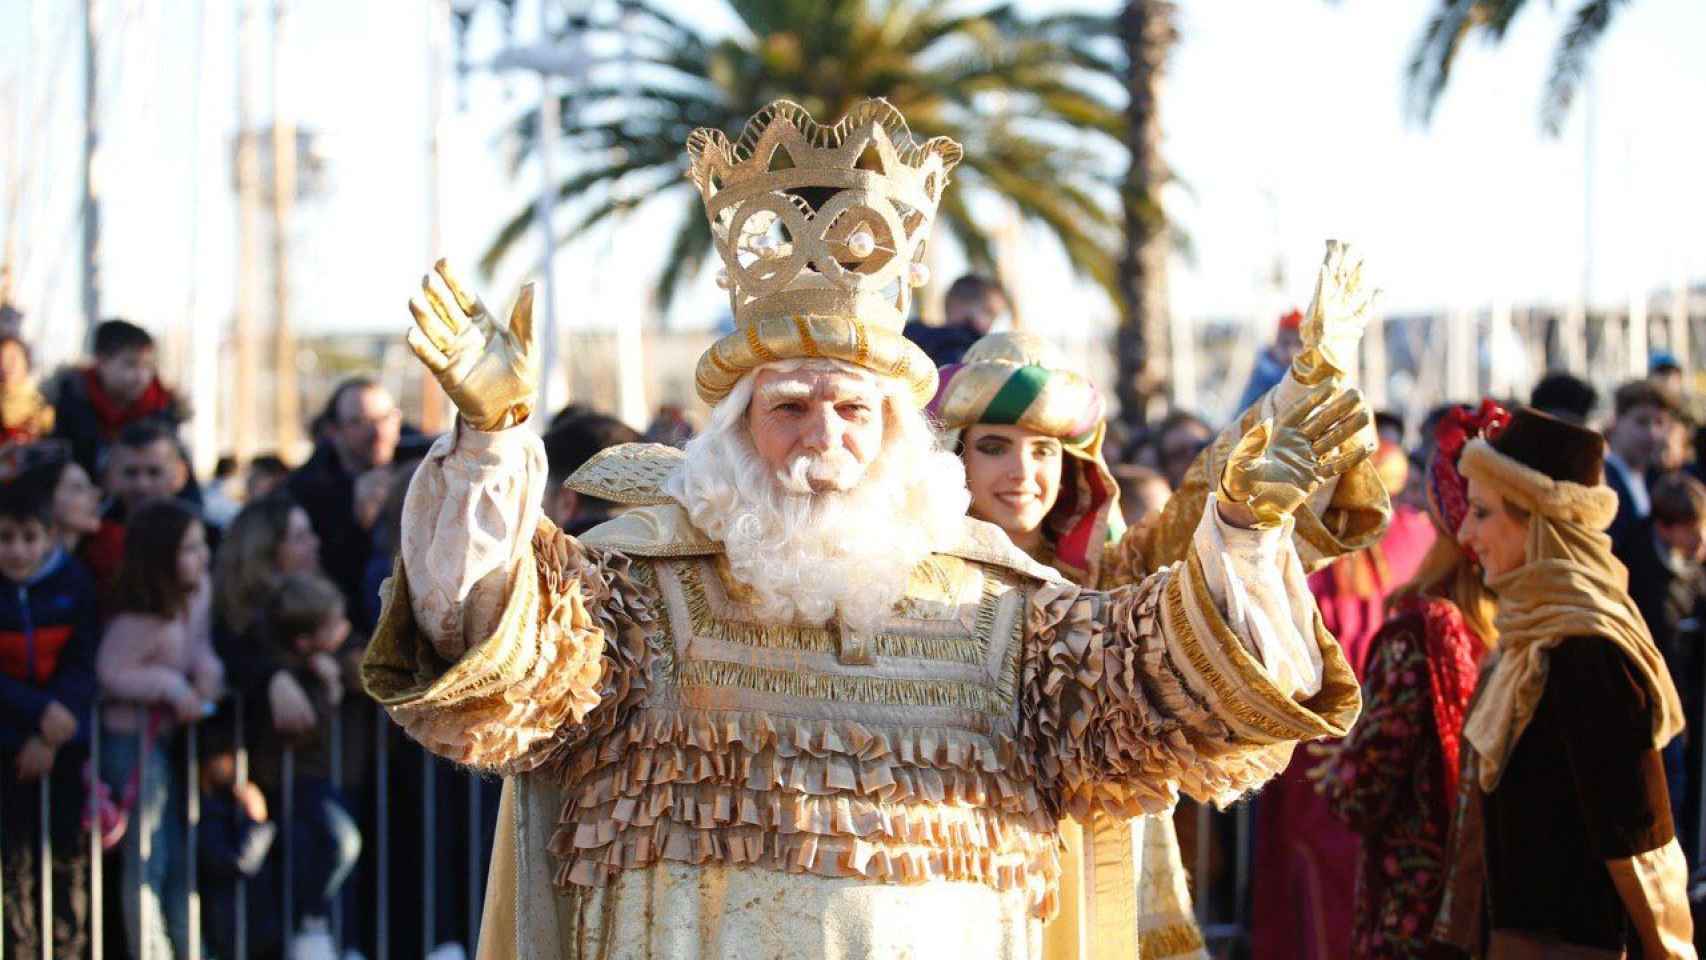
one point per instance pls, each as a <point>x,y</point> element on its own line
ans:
<point>1276,465</point>
<point>1339,312</point>
<point>489,371</point>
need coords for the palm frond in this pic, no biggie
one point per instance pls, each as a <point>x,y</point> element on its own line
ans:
<point>1570,60</point>
<point>1058,80</point>
<point>1434,55</point>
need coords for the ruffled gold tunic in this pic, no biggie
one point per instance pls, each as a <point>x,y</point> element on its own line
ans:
<point>688,782</point>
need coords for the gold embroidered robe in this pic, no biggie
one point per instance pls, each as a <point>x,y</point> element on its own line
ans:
<point>1135,867</point>
<point>687,782</point>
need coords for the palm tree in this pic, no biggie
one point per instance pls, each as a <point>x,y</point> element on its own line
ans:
<point>1454,20</point>
<point>1034,100</point>
<point>1147,34</point>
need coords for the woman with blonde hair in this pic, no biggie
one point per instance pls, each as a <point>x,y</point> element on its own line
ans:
<point>1393,779</point>
<point>1564,844</point>
<point>268,540</point>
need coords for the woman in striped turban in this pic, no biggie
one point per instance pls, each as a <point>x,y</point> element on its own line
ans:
<point>1030,433</point>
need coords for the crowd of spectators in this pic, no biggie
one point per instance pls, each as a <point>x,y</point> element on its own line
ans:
<point>139,605</point>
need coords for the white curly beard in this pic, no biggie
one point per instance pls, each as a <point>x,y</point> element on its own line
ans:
<point>810,556</point>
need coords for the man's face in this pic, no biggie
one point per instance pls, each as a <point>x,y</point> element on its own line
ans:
<point>144,473</point>
<point>1641,435</point>
<point>125,374</point>
<point>820,429</point>
<point>24,544</point>
<point>366,429</point>
<point>1287,343</point>
<point>1686,540</point>
<point>980,314</point>
<point>14,363</point>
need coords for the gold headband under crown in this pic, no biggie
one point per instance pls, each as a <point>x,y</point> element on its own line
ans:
<point>821,230</point>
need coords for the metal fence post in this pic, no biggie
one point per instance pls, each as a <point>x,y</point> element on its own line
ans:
<point>241,893</point>
<point>96,928</point>
<point>2,899</point>
<point>336,751</point>
<point>382,843</point>
<point>45,850</point>
<point>429,835</point>
<point>475,834</point>
<point>145,739</point>
<point>192,820</point>
<point>287,821</point>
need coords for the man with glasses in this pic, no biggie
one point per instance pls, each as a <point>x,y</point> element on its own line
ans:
<point>362,428</point>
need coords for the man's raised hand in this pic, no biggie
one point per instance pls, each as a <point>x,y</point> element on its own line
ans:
<point>1338,314</point>
<point>489,371</point>
<point>1276,465</point>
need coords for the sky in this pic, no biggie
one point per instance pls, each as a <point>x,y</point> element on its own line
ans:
<point>1282,118</point>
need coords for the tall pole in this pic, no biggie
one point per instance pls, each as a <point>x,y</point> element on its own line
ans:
<point>204,350</point>
<point>244,414</point>
<point>550,397</point>
<point>438,59</point>
<point>91,189</point>
<point>287,406</point>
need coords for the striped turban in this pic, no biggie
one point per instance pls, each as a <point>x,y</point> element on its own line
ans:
<point>1017,379</point>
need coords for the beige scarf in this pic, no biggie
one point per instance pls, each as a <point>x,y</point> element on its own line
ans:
<point>1569,586</point>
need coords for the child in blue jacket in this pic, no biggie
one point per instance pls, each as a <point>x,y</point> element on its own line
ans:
<point>48,639</point>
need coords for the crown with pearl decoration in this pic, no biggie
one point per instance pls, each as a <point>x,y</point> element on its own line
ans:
<point>821,230</point>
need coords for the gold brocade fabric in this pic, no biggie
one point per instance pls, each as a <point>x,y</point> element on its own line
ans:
<point>1355,517</point>
<point>715,745</point>
<point>1569,585</point>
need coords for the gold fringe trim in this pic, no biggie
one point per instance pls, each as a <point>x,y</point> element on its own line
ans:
<point>1227,698</point>
<point>816,639</point>
<point>863,690</point>
<point>1169,941</point>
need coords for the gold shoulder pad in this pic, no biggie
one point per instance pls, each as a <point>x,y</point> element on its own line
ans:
<point>630,473</point>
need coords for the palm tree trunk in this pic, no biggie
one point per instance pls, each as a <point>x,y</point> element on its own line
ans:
<point>1147,31</point>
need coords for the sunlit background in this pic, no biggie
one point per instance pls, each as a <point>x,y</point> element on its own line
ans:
<point>1502,248</point>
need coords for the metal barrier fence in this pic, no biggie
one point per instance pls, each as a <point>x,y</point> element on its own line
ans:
<point>386,741</point>
<point>1222,903</point>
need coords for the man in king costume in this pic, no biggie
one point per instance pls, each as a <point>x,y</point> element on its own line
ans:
<point>795,704</point>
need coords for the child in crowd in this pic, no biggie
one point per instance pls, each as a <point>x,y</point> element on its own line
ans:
<point>122,387</point>
<point>233,840</point>
<point>48,638</point>
<point>303,627</point>
<point>143,464</point>
<point>25,414</point>
<point>157,673</point>
<point>1668,585</point>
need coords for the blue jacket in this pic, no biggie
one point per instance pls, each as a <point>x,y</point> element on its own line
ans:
<point>49,633</point>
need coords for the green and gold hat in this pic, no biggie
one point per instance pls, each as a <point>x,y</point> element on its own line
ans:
<point>1018,379</point>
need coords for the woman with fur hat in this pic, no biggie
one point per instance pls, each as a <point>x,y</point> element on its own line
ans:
<point>1563,843</point>
<point>1394,778</point>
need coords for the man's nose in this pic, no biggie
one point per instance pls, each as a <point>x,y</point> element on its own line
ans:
<point>821,432</point>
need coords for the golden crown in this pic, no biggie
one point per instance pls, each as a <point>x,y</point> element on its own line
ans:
<point>821,220</point>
